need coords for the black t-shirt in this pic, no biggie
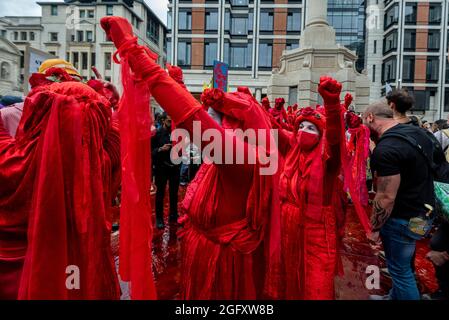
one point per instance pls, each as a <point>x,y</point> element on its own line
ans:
<point>393,156</point>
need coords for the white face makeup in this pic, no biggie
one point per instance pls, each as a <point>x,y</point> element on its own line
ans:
<point>214,115</point>
<point>309,127</point>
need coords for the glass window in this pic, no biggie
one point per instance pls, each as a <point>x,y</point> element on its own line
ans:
<point>185,20</point>
<point>265,55</point>
<point>169,51</point>
<point>53,36</point>
<point>80,35</point>
<point>16,35</point>
<point>266,20</point>
<point>433,40</point>
<point>89,36</point>
<point>239,2</point>
<point>389,70</point>
<point>410,40</point>
<point>23,36</point>
<point>391,16</point>
<point>294,21</point>
<point>210,53</point>
<point>410,13</point>
<point>184,53</point>
<point>84,61</point>
<point>238,56</point>
<point>153,30</point>
<point>82,13</point>
<point>239,26</point>
<point>292,95</point>
<point>107,61</point>
<point>433,65</point>
<point>75,60</point>
<point>54,10</point>
<point>109,10</point>
<point>90,14</point>
<point>391,42</point>
<point>292,45</point>
<point>92,58</point>
<point>408,72</point>
<point>32,36</point>
<point>435,13</point>
<point>212,20</point>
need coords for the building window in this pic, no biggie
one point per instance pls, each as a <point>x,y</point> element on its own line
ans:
<point>185,20</point>
<point>210,53</point>
<point>375,46</point>
<point>3,33</point>
<point>239,26</point>
<point>153,30</point>
<point>433,40</point>
<point>433,65</point>
<point>374,73</point>
<point>391,16</point>
<point>53,36</point>
<point>238,56</point>
<point>53,53</point>
<point>292,95</point>
<point>107,61</point>
<point>265,55</point>
<point>54,10</point>
<point>4,71</point>
<point>169,51</point>
<point>435,13</point>
<point>84,61</point>
<point>389,70</point>
<point>23,36</point>
<point>446,100</point>
<point>391,42</point>
<point>184,53</point>
<point>109,10</point>
<point>410,40</point>
<point>89,36</point>
<point>292,44</point>
<point>90,14</point>
<point>92,58</point>
<point>239,2</point>
<point>80,35</point>
<point>212,20</point>
<point>294,21</point>
<point>408,71</point>
<point>32,36</point>
<point>82,14</point>
<point>16,36</point>
<point>410,13</point>
<point>266,20</point>
<point>75,60</point>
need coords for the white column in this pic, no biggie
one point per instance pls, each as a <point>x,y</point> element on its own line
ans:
<point>316,12</point>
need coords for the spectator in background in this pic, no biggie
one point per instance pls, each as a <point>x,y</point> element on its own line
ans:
<point>165,171</point>
<point>442,134</point>
<point>10,116</point>
<point>400,101</point>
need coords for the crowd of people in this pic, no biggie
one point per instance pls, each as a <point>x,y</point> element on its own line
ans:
<point>67,150</point>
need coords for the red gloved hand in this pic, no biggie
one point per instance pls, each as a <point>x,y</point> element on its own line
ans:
<point>330,90</point>
<point>348,100</point>
<point>118,29</point>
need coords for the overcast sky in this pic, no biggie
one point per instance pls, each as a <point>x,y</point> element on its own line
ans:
<point>30,8</point>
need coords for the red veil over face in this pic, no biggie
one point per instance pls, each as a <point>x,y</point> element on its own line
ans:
<point>58,188</point>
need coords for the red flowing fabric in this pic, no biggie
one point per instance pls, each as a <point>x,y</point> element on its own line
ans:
<point>59,190</point>
<point>354,167</point>
<point>135,264</point>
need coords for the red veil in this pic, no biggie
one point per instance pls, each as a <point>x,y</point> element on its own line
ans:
<point>59,184</point>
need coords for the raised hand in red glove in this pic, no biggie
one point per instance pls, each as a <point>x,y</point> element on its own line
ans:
<point>348,100</point>
<point>118,29</point>
<point>330,90</point>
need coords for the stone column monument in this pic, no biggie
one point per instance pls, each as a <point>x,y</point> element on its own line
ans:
<point>318,55</point>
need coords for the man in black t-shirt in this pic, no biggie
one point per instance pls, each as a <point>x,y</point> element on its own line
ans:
<point>404,191</point>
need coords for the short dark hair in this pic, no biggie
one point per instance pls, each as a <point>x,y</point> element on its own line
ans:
<point>402,99</point>
<point>442,124</point>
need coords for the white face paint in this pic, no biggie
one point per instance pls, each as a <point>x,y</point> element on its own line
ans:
<point>215,115</point>
<point>309,127</point>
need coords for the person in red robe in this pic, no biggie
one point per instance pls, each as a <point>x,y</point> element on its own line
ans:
<point>278,112</point>
<point>266,104</point>
<point>229,222</point>
<point>56,190</point>
<point>310,198</point>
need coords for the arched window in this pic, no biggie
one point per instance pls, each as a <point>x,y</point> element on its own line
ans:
<point>4,71</point>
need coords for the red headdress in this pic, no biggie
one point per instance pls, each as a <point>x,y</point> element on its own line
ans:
<point>313,116</point>
<point>279,103</point>
<point>176,74</point>
<point>266,103</point>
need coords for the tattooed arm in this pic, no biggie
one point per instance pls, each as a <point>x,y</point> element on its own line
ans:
<point>387,189</point>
